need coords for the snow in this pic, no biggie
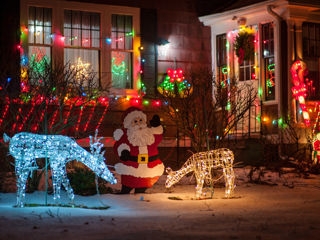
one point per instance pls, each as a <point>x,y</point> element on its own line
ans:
<point>288,210</point>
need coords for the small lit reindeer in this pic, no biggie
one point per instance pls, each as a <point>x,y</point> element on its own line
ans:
<point>27,147</point>
<point>202,164</point>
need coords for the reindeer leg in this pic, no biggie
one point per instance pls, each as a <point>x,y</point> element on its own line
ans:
<point>56,180</point>
<point>199,186</point>
<point>22,173</point>
<point>229,181</point>
<point>66,184</point>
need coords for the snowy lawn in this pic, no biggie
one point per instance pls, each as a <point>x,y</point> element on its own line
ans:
<point>289,210</point>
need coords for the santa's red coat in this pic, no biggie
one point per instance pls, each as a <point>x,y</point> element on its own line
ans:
<point>134,174</point>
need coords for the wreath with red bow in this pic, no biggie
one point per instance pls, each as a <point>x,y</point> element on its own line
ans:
<point>244,46</point>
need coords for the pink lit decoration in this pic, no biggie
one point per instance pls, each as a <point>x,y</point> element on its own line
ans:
<point>175,75</point>
<point>299,71</point>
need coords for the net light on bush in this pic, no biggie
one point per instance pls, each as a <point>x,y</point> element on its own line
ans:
<point>202,164</point>
<point>27,147</point>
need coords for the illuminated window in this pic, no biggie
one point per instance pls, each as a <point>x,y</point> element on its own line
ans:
<point>268,58</point>
<point>311,55</point>
<point>246,70</point>
<point>81,29</point>
<point>39,38</point>
<point>82,41</point>
<point>221,42</point>
<point>122,51</point>
<point>39,25</point>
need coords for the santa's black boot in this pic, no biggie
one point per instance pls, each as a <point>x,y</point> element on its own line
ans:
<point>140,190</point>
<point>125,190</point>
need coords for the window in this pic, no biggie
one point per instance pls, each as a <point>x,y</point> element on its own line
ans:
<point>39,37</point>
<point>122,51</point>
<point>82,41</point>
<point>246,70</point>
<point>268,59</point>
<point>311,55</point>
<point>221,43</point>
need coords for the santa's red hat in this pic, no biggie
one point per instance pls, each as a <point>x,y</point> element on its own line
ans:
<point>130,114</point>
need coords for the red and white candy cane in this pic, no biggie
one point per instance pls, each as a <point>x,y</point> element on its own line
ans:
<point>299,71</point>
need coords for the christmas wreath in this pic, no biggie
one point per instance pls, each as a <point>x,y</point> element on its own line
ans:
<point>244,46</point>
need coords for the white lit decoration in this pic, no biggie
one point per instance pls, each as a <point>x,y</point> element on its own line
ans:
<point>202,164</point>
<point>82,69</point>
<point>27,147</point>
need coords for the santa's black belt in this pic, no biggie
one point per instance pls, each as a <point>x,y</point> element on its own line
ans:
<point>143,158</point>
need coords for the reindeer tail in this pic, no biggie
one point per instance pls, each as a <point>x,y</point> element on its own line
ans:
<point>6,138</point>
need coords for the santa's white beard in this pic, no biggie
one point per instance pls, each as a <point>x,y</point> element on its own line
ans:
<point>140,137</point>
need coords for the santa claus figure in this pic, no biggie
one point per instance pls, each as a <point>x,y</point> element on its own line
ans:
<point>136,146</point>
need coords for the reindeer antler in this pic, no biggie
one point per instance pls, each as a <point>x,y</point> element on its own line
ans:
<point>96,145</point>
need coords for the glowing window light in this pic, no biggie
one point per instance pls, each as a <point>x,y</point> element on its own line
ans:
<point>82,69</point>
<point>27,147</point>
<point>202,164</point>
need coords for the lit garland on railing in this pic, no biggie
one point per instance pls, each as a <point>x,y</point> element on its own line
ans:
<point>202,164</point>
<point>27,147</point>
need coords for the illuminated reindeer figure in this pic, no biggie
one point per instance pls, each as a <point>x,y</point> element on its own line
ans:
<point>27,147</point>
<point>202,164</point>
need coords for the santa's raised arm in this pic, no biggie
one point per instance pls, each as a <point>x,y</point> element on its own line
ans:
<point>136,146</point>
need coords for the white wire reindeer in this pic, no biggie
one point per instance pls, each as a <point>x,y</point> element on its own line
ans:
<point>202,164</point>
<point>27,147</point>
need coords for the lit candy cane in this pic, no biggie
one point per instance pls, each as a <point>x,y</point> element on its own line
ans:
<point>299,71</point>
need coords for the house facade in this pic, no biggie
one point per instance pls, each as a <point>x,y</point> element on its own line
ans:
<point>282,33</point>
<point>129,45</point>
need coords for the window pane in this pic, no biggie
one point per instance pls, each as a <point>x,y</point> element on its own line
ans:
<point>39,25</point>
<point>85,21</point>
<point>121,68</point>
<point>122,32</point>
<point>67,19</point>
<point>85,61</point>
<point>86,38</point>
<point>95,35</point>
<point>84,29</point>
<point>32,12</point>
<point>95,21</point>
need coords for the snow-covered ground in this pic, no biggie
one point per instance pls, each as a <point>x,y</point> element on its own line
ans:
<point>288,210</point>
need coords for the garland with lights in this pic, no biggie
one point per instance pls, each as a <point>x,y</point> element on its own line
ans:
<point>244,46</point>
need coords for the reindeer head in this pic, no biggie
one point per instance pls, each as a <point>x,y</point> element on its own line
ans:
<point>170,178</point>
<point>99,166</point>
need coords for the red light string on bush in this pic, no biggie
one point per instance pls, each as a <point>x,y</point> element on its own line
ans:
<point>90,116</point>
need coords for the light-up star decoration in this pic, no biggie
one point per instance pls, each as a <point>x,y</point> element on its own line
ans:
<point>202,164</point>
<point>174,77</point>
<point>27,147</point>
<point>82,69</point>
